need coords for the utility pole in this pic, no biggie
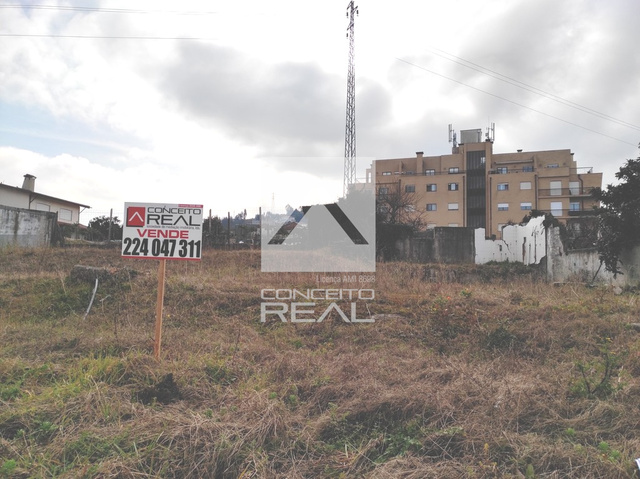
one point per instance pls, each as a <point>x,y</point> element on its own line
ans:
<point>350,129</point>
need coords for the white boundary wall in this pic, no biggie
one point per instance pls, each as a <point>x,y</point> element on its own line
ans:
<point>521,243</point>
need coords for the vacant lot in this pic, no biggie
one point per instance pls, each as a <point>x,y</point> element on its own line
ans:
<point>466,373</point>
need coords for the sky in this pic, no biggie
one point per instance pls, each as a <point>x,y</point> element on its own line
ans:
<point>241,105</point>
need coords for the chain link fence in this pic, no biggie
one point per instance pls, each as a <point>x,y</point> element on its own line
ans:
<point>229,232</point>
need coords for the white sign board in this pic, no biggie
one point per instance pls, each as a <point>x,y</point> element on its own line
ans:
<point>162,231</point>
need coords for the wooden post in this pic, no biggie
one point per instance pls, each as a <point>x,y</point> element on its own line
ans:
<point>110,221</point>
<point>159,305</point>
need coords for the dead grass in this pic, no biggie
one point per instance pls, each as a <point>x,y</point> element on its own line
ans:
<point>473,373</point>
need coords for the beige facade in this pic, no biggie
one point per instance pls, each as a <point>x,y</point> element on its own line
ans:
<point>473,186</point>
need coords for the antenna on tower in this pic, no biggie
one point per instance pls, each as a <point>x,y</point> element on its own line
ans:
<point>491,133</point>
<point>350,128</point>
<point>453,136</point>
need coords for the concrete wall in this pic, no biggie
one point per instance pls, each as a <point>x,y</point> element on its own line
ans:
<point>520,243</point>
<point>529,244</point>
<point>584,265</point>
<point>439,245</point>
<point>22,227</point>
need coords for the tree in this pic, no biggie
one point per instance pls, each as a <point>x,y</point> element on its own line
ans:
<point>398,208</point>
<point>397,218</point>
<point>213,231</point>
<point>619,216</point>
<point>99,228</point>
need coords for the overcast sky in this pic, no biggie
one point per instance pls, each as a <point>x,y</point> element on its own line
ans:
<point>237,105</point>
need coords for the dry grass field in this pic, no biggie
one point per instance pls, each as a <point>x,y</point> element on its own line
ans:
<point>474,372</point>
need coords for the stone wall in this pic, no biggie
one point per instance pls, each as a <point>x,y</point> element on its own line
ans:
<point>27,228</point>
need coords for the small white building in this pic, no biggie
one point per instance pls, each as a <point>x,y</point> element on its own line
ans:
<point>25,197</point>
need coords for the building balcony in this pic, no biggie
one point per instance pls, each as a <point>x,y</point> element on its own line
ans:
<point>564,213</point>
<point>506,170</point>
<point>577,192</point>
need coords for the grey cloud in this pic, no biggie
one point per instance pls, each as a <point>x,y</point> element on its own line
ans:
<point>289,111</point>
<point>279,107</point>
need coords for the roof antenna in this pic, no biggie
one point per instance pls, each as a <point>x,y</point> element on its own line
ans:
<point>453,138</point>
<point>491,133</point>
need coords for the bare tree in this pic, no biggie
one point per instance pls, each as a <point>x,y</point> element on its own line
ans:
<point>397,207</point>
<point>397,218</point>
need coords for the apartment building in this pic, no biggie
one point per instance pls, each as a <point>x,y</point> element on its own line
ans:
<point>475,187</point>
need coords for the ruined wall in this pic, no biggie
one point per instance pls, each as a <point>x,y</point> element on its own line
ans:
<point>529,244</point>
<point>584,265</point>
<point>520,243</point>
<point>22,227</point>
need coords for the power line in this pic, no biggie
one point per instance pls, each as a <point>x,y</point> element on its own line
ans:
<point>513,102</point>
<point>105,10</point>
<point>102,37</point>
<point>530,88</point>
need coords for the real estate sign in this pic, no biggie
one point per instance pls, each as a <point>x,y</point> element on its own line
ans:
<point>162,231</point>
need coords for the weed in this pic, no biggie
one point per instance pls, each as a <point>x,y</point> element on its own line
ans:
<point>219,373</point>
<point>9,392</point>
<point>530,472</point>
<point>7,468</point>
<point>607,452</point>
<point>43,430</point>
<point>90,448</point>
<point>596,376</point>
<point>501,339</point>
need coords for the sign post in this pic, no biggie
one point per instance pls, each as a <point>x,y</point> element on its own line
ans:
<point>157,338</point>
<point>162,231</point>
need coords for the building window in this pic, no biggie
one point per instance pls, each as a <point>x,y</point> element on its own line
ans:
<point>408,172</point>
<point>555,188</point>
<point>432,207</point>
<point>65,214</point>
<point>452,207</point>
<point>525,185</point>
<point>552,165</point>
<point>556,208</point>
<point>383,190</point>
<point>430,172</point>
<point>527,169</point>
<point>574,188</point>
<point>525,206</point>
<point>453,186</point>
<point>409,188</point>
<point>454,169</point>
<point>574,206</point>
<point>432,187</point>
<point>386,173</point>
<point>502,170</point>
<point>503,206</point>
<point>503,186</point>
